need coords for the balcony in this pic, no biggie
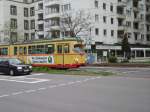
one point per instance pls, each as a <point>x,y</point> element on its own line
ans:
<point>148,31</point>
<point>136,9</point>
<point>137,30</point>
<point>40,11</point>
<point>40,22</point>
<point>139,41</point>
<point>122,3</point>
<point>147,2</point>
<point>120,15</point>
<point>121,27</point>
<point>40,32</point>
<point>52,15</point>
<point>52,2</point>
<point>138,19</point>
<point>52,27</point>
<point>148,12</point>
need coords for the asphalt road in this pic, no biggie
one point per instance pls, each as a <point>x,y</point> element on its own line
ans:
<point>64,93</point>
<point>137,72</point>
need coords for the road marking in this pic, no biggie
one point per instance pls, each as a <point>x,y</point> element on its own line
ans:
<point>69,83</point>
<point>4,95</point>
<point>36,74</point>
<point>98,77</point>
<point>78,81</point>
<point>63,84</point>
<point>30,91</point>
<point>41,88</point>
<point>26,80</point>
<point>50,86</point>
<point>17,93</point>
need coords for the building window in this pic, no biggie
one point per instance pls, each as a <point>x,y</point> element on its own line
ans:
<point>112,33</point>
<point>26,36</point>
<point>128,23</point>
<point>40,6</point>
<point>40,16</point>
<point>26,24</point>
<point>142,37</point>
<point>136,36</point>
<point>41,36</point>
<point>26,14</point>
<point>112,20</point>
<point>128,12</point>
<point>96,4</point>
<point>104,19</point>
<point>104,6</point>
<point>65,7</point>
<point>41,27</point>
<point>148,37</point>
<point>13,36</point>
<point>32,36</point>
<point>13,23</point>
<point>96,31</point>
<point>105,32</point>
<point>111,8</point>
<point>129,35</point>
<point>32,24</point>
<point>96,18</point>
<point>13,10</point>
<point>25,1</point>
<point>32,12</point>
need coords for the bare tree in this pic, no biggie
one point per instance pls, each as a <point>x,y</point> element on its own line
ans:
<point>75,22</point>
<point>7,30</point>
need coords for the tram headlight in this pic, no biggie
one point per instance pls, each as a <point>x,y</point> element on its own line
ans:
<point>76,60</point>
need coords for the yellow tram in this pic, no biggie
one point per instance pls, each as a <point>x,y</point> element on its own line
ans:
<point>56,53</point>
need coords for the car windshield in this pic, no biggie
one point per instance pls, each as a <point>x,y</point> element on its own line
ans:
<point>15,61</point>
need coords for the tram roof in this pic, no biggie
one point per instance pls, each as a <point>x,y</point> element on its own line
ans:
<point>44,40</point>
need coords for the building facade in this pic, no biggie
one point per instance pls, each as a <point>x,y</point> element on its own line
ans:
<point>21,20</point>
<point>111,19</point>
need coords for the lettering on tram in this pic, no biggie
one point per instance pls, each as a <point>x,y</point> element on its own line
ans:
<point>42,59</point>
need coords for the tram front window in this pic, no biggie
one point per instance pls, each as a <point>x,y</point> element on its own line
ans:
<point>78,48</point>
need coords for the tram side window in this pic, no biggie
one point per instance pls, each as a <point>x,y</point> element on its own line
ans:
<point>59,48</point>
<point>78,48</point>
<point>40,49</point>
<point>50,49</point>
<point>4,51</point>
<point>25,50</point>
<point>15,50</point>
<point>29,50</point>
<point>66,48</point>
<point>21,50</point>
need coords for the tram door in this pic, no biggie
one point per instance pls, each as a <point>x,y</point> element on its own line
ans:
<point>22,54</point>
<point>61,50</point>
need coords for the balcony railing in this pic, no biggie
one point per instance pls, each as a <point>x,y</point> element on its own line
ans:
<point>51,2</point>
<point>122,3</point>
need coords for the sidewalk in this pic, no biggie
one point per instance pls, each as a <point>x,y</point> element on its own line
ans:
<point>121,65</point>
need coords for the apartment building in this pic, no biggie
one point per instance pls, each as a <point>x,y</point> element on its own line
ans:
<point>111,19</point>
<point>21,20</point>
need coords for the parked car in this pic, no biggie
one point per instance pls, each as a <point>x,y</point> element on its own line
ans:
<point>14,66</point>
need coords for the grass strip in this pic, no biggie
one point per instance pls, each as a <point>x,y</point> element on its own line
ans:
<point>72,72</point>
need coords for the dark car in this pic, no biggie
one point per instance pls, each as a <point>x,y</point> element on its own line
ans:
<point>14,66</point>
